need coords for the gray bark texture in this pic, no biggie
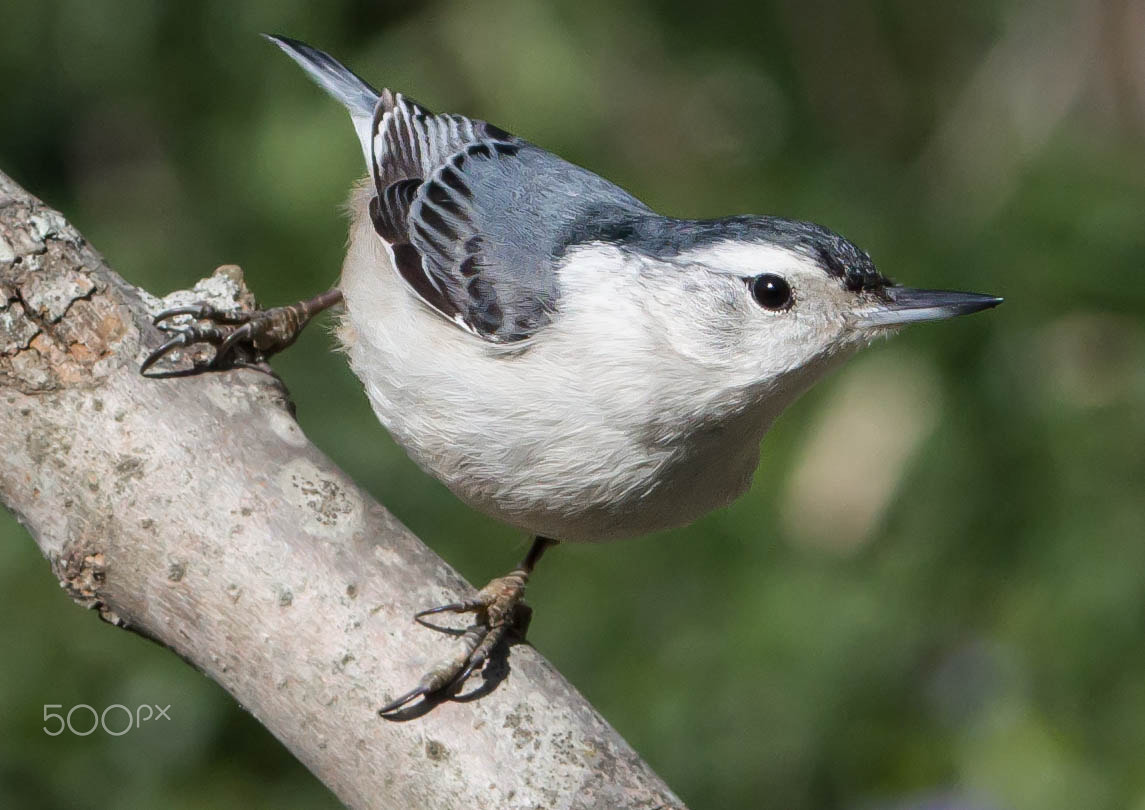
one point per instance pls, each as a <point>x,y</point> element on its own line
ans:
<point>194,511</point>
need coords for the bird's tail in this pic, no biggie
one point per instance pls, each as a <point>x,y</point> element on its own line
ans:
<point>339,81</point>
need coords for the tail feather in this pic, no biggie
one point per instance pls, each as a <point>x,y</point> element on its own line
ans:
<point>339,81</point>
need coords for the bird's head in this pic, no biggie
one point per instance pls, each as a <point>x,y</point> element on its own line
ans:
<point>764,300</point>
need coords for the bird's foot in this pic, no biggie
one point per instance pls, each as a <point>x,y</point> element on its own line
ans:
<point>238,335</point>
<point>499,609</point>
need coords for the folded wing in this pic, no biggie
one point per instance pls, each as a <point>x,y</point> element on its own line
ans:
<point>477,218</point>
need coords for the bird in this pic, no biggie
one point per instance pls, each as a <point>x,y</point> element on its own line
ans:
<point>562,357</point>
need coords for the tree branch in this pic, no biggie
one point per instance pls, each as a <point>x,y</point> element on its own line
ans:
<point>194,511</point>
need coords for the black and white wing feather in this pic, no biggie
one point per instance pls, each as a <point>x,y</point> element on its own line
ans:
<point>475,217</point>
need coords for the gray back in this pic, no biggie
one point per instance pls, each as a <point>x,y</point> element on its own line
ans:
<point>479,218</point>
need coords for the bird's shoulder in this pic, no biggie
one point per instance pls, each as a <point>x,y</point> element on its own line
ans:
<point>479,219</point>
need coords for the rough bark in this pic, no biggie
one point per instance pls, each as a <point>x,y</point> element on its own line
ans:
<point>193,510</point>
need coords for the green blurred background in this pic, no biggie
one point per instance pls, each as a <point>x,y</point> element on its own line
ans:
<point>934,595</point>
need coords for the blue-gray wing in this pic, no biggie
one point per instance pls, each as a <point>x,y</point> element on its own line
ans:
<point>477,219</point>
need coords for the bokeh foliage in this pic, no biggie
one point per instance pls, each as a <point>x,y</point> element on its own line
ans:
<point>942,605</point>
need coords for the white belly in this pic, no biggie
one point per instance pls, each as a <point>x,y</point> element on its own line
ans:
<point>558,437</point>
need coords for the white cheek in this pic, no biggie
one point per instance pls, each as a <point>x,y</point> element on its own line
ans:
<point>783,342</point>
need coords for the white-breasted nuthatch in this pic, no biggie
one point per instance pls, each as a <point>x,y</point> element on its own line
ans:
<point>562,357</point>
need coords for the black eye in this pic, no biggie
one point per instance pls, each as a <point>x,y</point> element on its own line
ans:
<point>771,291</point>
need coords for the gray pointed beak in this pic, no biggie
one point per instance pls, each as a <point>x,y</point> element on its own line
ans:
<point>903,305</point>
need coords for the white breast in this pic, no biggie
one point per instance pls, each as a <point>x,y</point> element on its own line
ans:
<point>571,434</point>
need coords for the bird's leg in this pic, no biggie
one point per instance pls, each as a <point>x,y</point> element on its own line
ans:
<point>499,608</point>
<point>253,334</point>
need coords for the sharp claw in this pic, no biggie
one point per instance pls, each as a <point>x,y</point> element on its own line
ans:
<point>199,311</point>
<point>244,332</point>
<point>439,679</point>
<point>468,606</point>
<point>480,655</point>
<point>464,674</point>
<point>408,697</point>
<point>179,340</point>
